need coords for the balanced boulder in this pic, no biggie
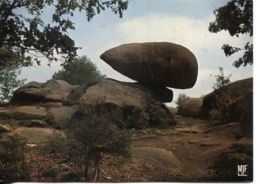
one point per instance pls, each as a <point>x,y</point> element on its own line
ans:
<point>155,63</point>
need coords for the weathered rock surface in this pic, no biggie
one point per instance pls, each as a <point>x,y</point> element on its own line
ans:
<point>37,123</point>
<point>134,104</point>
<point>118,93</point>
<point>4,129</point>
<point>59,116</point>
<point>234,102</point>
<point>231,92</point>
<point>242,107</point>
<point>155,63</point>
<point>51,91</point>
<point>23,112</point>
<point>191,107</point>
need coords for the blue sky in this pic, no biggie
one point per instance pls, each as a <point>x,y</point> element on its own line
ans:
<point>183,22</point>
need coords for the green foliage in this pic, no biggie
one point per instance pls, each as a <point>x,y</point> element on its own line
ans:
<point>220,110</point>
<point>236,17</point>
<point>8,82</point>
<point>93,135</point>
<point>135,117</point>
<point>26,34</point>
<point>12,159</point>
<point>181,99</point>
<point>159,116</point>
<point>221,79</point>
<point>57,143</point>
<point>80,71</point>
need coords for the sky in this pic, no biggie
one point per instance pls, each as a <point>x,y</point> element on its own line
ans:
<point>183,22</point>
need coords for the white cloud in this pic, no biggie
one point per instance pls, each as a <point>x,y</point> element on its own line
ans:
<point>192,33</point>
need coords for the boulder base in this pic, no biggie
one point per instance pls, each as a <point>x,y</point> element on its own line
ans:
<point>129,103</point>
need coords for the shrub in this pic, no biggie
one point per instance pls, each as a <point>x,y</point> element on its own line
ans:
<point>135,117</point>
<point>92,135</point>
<point>221,79</point>
<point>221,108</point>
<point>159,116</point>
<point>181,99</point>
<point>56,144</point>
<point>12,159</point>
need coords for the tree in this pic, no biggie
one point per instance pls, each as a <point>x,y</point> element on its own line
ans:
<point>8,82</point>
<point>236,17</point>
<point>181,99</point>
<point>221,79</point>
<point>80,71</point>
<point>25,33</point>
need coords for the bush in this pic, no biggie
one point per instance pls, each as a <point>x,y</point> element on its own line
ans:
<point>12,159</point>
<point>159,116</point>
<point>92,135</point>
<point>56,144</point>
<point>181,99</point>
<point>221,108</point>
<point>135,117</point>
<point>221,79</point>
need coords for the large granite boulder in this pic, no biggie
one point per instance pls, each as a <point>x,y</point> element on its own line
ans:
<point>119,93</point>
<point>155,63</point>
<point>233,103</point>
<point>226,96</point>
<point>51,91</point>
<point>130,104</point>
<point>242,108</point>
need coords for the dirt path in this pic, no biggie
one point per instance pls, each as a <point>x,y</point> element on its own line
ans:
<point>194,143</point>
<point>185,152</point>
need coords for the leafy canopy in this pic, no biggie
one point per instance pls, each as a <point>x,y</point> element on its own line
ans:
<point>80,71</point>
<point>236,17</point>
<point>8,83</point>
<point>25,33</point>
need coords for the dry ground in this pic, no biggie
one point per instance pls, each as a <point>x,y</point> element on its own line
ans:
<point>185,152</point>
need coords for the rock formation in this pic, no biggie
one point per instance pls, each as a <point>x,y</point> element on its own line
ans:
<point>160,64</point>
<point>40,104</point>
<point>51,91</point>
<point>53,104</point>
<point>155,66</point>
<point>135,105</point>
<point>233,103</point>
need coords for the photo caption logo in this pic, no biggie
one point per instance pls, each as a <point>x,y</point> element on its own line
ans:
<point>241,170</point>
